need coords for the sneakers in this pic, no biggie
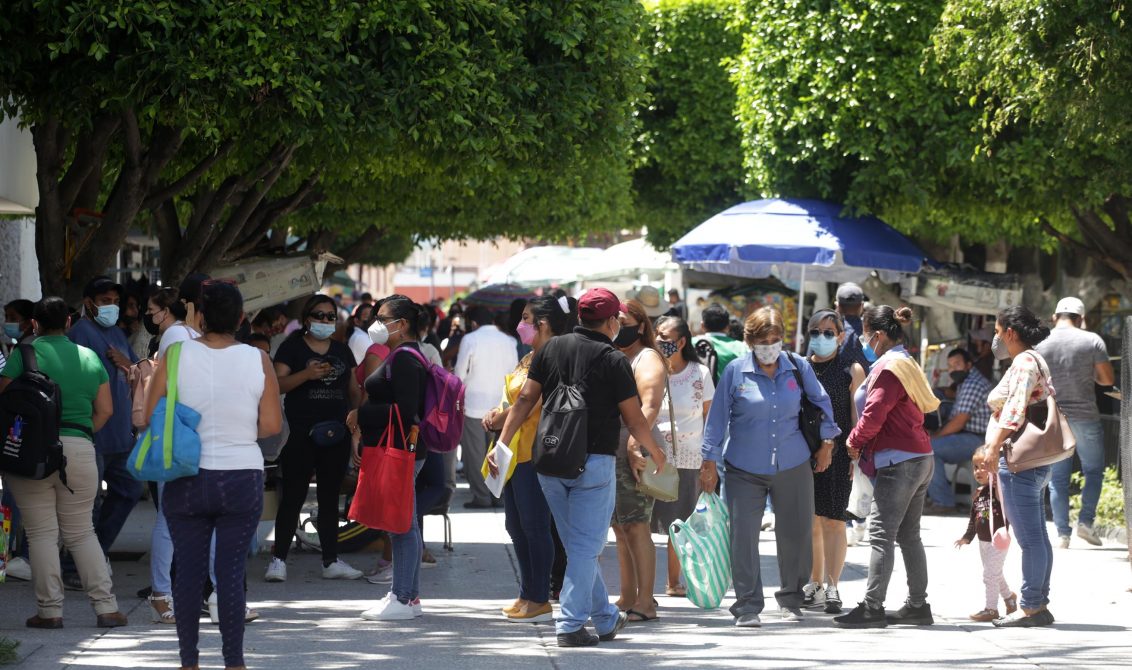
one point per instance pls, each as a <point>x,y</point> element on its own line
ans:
<point>832,600</point>
<point>415,603</point>
<point>579,638</point>
<point>748,621</point>
<point>768,521</point>
<point>790,614</point>
<point>813,596</point>
<point>912,615</point>
<point>622,619</point>
<point>1022,620</point>
<point>383,575</point>
<point>863,616</point>
<point>18,568</point>
<point>532,613</point>
<point>850,536</point>
<point>1086,533</point>
<point>340,569</point>
<point>390,609</point>
<point>276,571</point>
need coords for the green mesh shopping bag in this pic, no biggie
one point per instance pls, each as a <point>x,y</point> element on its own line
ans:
<point>703,545</point>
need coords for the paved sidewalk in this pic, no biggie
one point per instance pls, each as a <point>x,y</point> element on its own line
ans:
<point>311,623</point>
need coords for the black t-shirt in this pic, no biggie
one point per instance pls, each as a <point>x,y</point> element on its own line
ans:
<point>589,355</point>
<point>319,399</point>
<point>401,381</point>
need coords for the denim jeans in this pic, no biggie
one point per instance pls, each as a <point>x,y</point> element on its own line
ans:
<point>1025,510</point>
<point>407,554</point>
<point>1090,449</point>
<point>160,550</point>
<point>956,448</point>
<point>582,508</point>
<point>527,518</point>
<point>898,502</point>
<point>122,493</point>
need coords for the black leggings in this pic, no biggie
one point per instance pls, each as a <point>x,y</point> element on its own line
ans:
<point>300,459</point>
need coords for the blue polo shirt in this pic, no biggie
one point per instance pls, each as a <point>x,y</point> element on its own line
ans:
<point>117,435</point>
<point>753,421</point>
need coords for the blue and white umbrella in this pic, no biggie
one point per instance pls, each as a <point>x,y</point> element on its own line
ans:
<point>797,240</point>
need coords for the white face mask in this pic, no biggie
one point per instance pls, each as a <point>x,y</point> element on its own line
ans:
<point>767,354</point>
<point>379,333</point>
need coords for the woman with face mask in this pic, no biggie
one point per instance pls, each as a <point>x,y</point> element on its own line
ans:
<point>681,423</point>
<point>753,431</point>
<point>526,513</point>
<point>17,322</point>
<point>316,374</point>
<point>840,376</point>
<point>892,447</point>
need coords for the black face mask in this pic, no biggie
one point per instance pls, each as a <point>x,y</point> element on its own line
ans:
<point>150,327</point>
<point>128,320</point>
<point>627,337</point>
<point>959,376</point>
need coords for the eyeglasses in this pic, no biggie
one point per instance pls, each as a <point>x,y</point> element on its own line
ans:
<point>387,319</point>
<point>323,316</point>
<point>831,334</point>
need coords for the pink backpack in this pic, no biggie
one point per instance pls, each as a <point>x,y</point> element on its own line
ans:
<point>442,418</point>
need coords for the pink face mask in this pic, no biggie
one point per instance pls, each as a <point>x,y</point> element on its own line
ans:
<point>526,332</point>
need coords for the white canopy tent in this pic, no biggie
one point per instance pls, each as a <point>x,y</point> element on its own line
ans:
<point>540,266</point>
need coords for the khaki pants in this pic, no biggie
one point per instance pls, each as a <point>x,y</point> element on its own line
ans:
<point>50,510</point>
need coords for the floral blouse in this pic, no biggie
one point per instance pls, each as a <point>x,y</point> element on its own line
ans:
<point>1025,383</point>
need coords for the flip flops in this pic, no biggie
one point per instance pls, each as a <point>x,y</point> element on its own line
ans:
<point>639,617</point>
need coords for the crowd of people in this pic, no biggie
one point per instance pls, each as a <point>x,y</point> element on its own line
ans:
<point>722,407</point>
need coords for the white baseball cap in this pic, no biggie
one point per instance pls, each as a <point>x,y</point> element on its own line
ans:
<point>1070,306</point>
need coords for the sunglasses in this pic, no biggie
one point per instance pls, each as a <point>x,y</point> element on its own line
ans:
<point>831,334</point>
<point>323,316</point>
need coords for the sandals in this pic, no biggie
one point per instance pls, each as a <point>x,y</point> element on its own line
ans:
<point>678,591</point>
<point>640,617</point>
<point>162,608</point>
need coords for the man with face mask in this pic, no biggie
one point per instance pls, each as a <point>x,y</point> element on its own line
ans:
<point>98,330</point>
<point>487,355</point>
<point>849,303</point>
<point>964,431</point>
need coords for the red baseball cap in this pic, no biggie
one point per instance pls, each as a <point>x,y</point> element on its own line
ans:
<point>598,304</point>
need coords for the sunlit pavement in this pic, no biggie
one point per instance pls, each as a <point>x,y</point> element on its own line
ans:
<point>311,623</point>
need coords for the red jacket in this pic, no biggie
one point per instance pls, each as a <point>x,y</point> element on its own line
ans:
<point>891,420</point>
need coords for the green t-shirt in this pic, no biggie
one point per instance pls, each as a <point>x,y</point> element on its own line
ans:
<point>78,372</point>
<point>726,349</point>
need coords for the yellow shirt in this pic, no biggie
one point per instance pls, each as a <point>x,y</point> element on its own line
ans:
<point>511,388</point>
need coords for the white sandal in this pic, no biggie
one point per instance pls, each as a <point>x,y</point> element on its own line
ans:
<point>167,616</point>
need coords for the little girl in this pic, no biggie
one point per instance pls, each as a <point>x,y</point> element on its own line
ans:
<point>983,506</point>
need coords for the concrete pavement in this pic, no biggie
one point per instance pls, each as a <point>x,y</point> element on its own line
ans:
<point>311,623</point>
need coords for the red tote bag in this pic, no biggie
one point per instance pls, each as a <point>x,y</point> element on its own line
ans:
<point>384,497</point>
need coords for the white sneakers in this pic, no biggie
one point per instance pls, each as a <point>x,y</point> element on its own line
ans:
<point>813,596</point>
<point>391,609</point>
<point>1087,534</point>
<point>748,621</point>
<point>340,569</point>
<point>383,575</point>
<point>276,572</point>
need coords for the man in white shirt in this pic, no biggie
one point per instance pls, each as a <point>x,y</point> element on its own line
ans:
<point>359,338</point>
<point>487,356</point>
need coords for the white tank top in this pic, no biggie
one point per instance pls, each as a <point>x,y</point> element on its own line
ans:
<point>225,386</point>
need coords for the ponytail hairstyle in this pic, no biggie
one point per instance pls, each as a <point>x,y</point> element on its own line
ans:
<point>169,298</point>
<point>1023,322</point>
<point>401,307</point>
<point>891,322</point>
<point>682,330</point>
<point>561,314</point>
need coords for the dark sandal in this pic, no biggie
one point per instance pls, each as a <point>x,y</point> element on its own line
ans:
<point>639,617</point>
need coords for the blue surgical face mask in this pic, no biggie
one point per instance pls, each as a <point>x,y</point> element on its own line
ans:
<point>823,346</point>
<point>322,331</point>
<point>867,347</point>
<point>107,315</point>
<point>12,330</point>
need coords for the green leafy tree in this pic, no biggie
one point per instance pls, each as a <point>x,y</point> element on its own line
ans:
<point>689,156</point>
<point>214,122</point>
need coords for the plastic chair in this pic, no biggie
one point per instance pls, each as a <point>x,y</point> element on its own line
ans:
<point>441,509</point>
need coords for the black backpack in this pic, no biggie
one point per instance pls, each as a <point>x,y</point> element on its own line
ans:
<point>562,442</point>
<point>31,413</point>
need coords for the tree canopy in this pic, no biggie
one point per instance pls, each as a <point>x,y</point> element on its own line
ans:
<point>216,122</point>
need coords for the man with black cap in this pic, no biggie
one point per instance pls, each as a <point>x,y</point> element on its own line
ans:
<point>98,330</point>
<point>583,505</point>
<point>850,304</point>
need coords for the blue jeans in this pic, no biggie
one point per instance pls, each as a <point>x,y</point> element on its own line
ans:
<point>1090,449</point>
<point>122,493</point>
<point>582,508</point>
<point>527,518</point>
<point>407,554</point>
<point>161,550</point>
<point>1025,510</point>
<point>956,448</point>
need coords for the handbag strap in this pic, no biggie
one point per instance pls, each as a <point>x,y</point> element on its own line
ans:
<point>995,491</point>
<point>672,416</point>
<point>172,365</point>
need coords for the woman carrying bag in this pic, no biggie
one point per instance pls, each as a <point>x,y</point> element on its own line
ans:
<point>1023,389</point>
<point>681,422</point>
<point>395,400</point>
<point>526,513</point>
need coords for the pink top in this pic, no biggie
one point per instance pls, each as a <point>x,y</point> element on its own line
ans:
<point>379,350</point>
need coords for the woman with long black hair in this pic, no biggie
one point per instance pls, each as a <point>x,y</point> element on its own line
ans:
<point>315,372</point>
